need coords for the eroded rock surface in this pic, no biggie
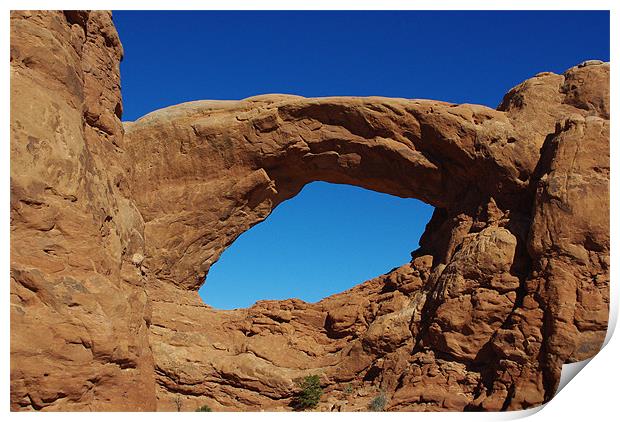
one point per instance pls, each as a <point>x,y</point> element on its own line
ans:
<point>113,228</point>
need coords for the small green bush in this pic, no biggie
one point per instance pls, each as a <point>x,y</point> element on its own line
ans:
<point>204,408</point>
<point>310,393</point>
<point>348,389</point>
<point>378,403</point>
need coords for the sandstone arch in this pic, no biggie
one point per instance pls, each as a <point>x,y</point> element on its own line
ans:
<point>113,229</point>
<point>251,155</point>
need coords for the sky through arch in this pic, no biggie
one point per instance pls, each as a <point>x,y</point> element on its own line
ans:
<point>325,240</point>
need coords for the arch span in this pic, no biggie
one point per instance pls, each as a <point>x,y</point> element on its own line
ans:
<point>216,168</point>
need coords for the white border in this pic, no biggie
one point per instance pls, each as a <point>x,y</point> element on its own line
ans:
<point>592,395</point>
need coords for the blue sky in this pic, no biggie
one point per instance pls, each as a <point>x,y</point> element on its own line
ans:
<point>331,237</point>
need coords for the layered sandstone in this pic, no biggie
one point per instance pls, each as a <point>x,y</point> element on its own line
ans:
<point>114,227</point>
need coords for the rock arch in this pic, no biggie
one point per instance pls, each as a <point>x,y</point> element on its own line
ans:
<point>250,155</point>
<point>113,229</point>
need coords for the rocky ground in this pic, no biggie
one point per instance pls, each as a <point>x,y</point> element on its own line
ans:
<point>114,226</point>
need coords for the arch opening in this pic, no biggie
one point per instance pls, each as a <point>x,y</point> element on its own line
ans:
<point>325,240</point>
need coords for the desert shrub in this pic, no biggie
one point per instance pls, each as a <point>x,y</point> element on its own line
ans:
<point>204,408</point>
<point>310,393</point>
<point>378,403</point>
<point>348,389</point>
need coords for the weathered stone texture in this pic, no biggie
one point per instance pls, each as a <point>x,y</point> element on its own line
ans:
<point>114,227</point>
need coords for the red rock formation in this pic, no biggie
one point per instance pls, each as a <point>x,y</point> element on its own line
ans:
<point>114,228</point>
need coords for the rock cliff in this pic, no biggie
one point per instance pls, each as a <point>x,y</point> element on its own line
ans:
<point>114,227</point>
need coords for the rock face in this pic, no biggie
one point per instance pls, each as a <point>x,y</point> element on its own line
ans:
<point>113,228</point>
